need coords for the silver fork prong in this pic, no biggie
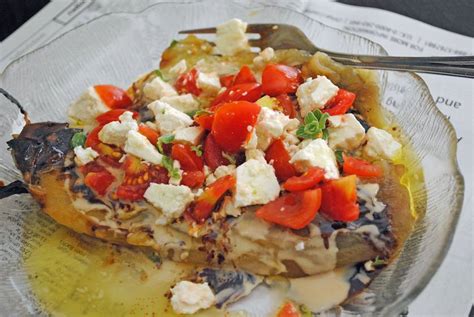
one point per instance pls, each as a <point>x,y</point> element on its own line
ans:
<point>199,31</point>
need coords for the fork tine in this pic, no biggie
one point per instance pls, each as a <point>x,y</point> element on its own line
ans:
<point>196,31</point>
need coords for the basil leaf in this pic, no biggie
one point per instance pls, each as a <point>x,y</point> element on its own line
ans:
<point>78,139</point>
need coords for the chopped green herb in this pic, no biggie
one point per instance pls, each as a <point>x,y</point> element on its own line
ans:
<point>314,126</point>
<point>165,139</point>
<point>229,157</point>
<point>159,74</point>
<point>167,163</point>
<point>339,156</point>
<point>173,43</point>
<point>192,113</point>
<point>78,139</point>
<point>201,112</point>
<point>305,311</point>
<point>197,149</point>
<point>378,262</point>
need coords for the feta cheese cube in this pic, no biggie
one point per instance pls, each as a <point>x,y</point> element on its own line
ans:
<point>231,38</point>
<point>84,155</point>
<point>209,83</point>
<point>256,184</point>
<point>168,118</point>
<point>316,153</point>
<point>84,110</point>
<point>191,135</point>
<point>264,57</point>
<point>171,200</point>
<point>183,103</point>
<point>116,132</point>
<point>255,154</point>
<point>315,93</point>
<point>345,132</point>
<point>220,171</point>
<point>178,69</point>
<point>188,297</point>
<point>381,144</point>
<point>138,145</point>
<point>158,88</point>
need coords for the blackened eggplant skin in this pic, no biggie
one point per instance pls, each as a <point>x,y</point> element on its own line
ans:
<point>40,147</point>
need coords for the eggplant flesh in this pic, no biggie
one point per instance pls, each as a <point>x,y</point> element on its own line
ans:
<point>41,153</point>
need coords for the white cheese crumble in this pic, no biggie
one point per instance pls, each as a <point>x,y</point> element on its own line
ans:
<point>168,118</point>
<point>191,135</point>
<point>209,83</point>
<point>315,93</point>
<point>188,297</point>
<point>84,110</point>
<point>171,200</point>
<point>138,145</point>
<point>231,37</point>
<point>220,171</point>
<point>264,57</point>
<point>299,246</point>
<point>178,69</point>
<point>345,132</point>
<point>115,132</point>
<point>255,154</point>
<point>381,144</point>
<point>183,103</point>
<point>256,184</point>
<point>316,153</point>
<point>84,155</point>
<point>158,88</point>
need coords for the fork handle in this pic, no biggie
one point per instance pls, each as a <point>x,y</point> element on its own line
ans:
<point>459,66</point>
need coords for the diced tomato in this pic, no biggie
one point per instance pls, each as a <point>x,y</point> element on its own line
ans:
<point>209,198</point>
<point>138,177</point>
<point>287,105</point>
<point>91,167</point>
<point>150,134</point>
<point>308,180</point>
<point>340,103</point>
<point>226,81</point>
<point>231,124</point>
<point>244,76</point>
<point>340,199</point>
<point>212,153</point>
<point>187,158</point>
<point>280,79</point>
<point>288,310</point>
<point>193,179</point>
<point>278,156</point>
<point>205,121</point>
<point>109,154</point>
<point>99,181</point>
<point>114,97</point>
<point>187,83</point>
<point>293,210</point>
<point>361,168</point>
<point>93,138</point>
<point>248,92</point>
<point>113,115</point>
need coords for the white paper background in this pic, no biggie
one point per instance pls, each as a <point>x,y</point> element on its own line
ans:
<point>450,292</point>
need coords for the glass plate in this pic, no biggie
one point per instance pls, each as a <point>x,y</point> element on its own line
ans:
<point>116,48</point>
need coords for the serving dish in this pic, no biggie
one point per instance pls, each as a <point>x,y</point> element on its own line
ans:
<point>83,61</point>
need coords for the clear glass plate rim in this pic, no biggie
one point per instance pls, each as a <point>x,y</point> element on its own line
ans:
<point>457,208</point>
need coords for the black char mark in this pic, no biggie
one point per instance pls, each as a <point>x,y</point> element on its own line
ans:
<point>229,286</point>
<point>40,147</point>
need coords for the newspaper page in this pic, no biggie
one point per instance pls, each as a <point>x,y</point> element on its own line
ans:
<point>399,35</point>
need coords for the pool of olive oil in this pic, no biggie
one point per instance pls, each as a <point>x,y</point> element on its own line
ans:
<point>73,275</point>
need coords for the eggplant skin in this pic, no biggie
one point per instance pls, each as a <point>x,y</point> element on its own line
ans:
<point>40,147</point>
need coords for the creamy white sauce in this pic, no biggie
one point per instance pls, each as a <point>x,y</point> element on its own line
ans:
<point>323,291</point>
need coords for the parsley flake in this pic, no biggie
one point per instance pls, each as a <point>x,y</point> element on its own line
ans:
<point>197,149</point>
<point>167,163</point>
<point>339,156</point>
<point>165,139</point>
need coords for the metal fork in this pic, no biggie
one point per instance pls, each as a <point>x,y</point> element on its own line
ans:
<point>284,36</point>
